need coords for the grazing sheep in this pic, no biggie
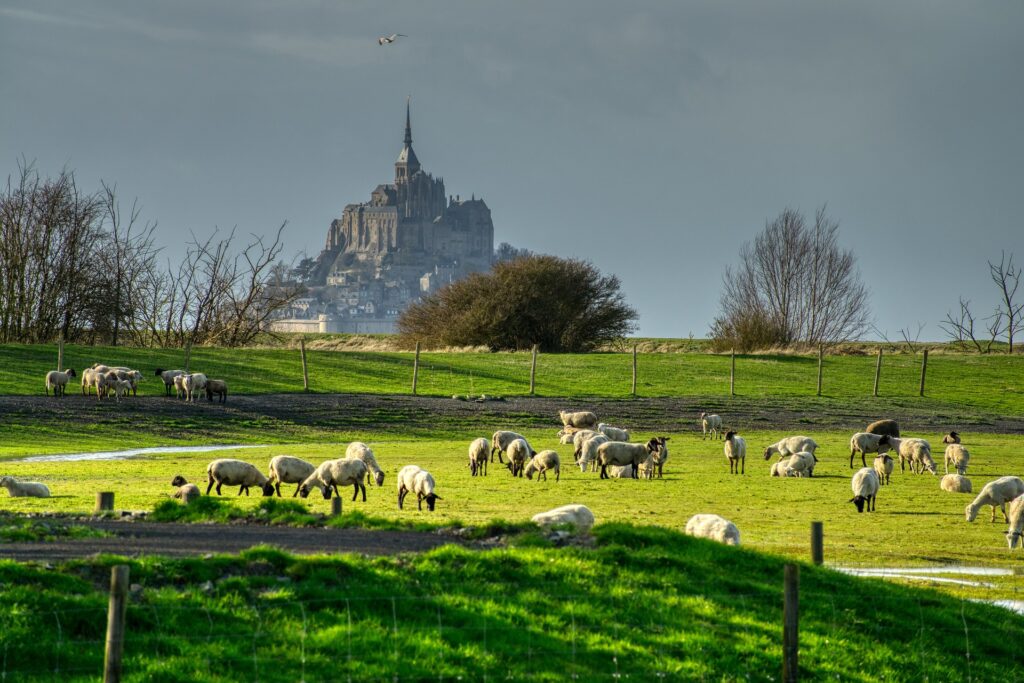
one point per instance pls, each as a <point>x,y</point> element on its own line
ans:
<point>865,485</point>
<point>917,452</point>
<point>331,474</point>
<point>541,463</point>
<point>620,472</point>
<point>218,387</point>
<point>500,441</point>
<point>413,478</point>
<point>995,493</point>
<point>185,492</point>
<point>588,451</point>
<point>711,424</point>
<point>613,433</point>
<point>619,453</point>
<point>886,427</point>
<point>883,465</point>
<point>518,453</point>
<point>194,385</point>
<point>660,453</point>
<point>236,473</point>
<point>179,386</point>
<point>1016,521</point>
<point>790,445</point>
<point>579,516</point>
<point>864,443</point>
<point>58,381</point>
<point>735,448</point>
<point>958,456</point>
<point>478,453</point>
<point>358,449</point>
<point>287,469</point>
<point>24,489</point>
<point>955,483</point>
<point>952,437</point>
<point>714,528</point>
<point>168,378</point>
<point>581,420</point>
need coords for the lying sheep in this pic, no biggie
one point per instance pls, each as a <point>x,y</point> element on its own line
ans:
<point>735,448</point>
<point>358,449</point>
<point>955,483</point>
<point>518,452</point>
<point>542,463</point>
<point>500,441</point>
<point>478,455</point>
<point>236,473</point>
<point>287,469</point>
<point>620,454</point>
<point>714,528</point>
<point>24,489</point>
<point>218,387</point>
<point>790,445</point>
<point>168,378</point>
<point>883,464</point>
<point>952,437</point>
<point>58,381</point>
<point>916,452</point>
<point>194,385</point>
<point>620,472</point>
<point>1016,522</point>
<point>864,443</point>
<point>587,453</point>
<point>959,456</point>
<point>660,453</point>
<point>780,468</point>
<point>613,433</point>
<point>185,492</point>
<point>579,516</point>
<point>800,465</point>
<point>884,427</point>
<point>995,493</point>
<point>582,419</point>
<point>711,424</point>
<point>412,478</point>
<point>565,438</point>
<point>865,485</point>
<point>331,474</point>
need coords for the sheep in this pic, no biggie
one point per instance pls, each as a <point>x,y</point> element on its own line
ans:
<point>711,424</point>
<point>87,380</point>
<point>660,454</point>
<point>1016,522</point>
<point>588,451</point>
<point>781,468</point>
<point>518,453</point>
<point>952,437</point>
<point>219,387</point>
<point>995,493</point>
<point>713,528</point>
<point>798,465</point>
<point>579,516</point>
<point>331,474</point>
<point>646,468</point>
<point>883,465</point>
<point>58,381</point>
<point>414,478</point>
<point>619,453</point>
<point>194,385</point>
<point>541,463</point>
<point>735,448</point>
<point>179,386</point>
<point>565,438</point>
<point>865,485</point>
<point>582,419</point>
<point>959,456</point>
<point>24,489</point>
<point>917,452</point>
<point>865,442</point>
<point>103,382</point>
<point>132,377</point>
<point>168,378</point>
<point>287,469</point>
<point>790,445</point>
<point>613,433</point>
<point>886,427</point>
<point>620,472</point>
<point>358,449</point>
<point>500,441</point>
<point>236,473</point>
<point>955,483</point>
<point>580,437</point>
<point>478,452</point>
<point>121,388</point>
<point>186,492</point>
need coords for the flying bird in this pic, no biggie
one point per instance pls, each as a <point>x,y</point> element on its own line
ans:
<point>387,40</point>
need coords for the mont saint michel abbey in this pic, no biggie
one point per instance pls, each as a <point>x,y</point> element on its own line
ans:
<point>408,240</point>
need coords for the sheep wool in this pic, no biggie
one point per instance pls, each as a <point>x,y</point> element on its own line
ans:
<point>287,469</point>
<point>578,516</point>
<point>955,483</point>
<point>996,493</point>
<point>714,528</point>
<point>478,455</point>
<point>24,489</point>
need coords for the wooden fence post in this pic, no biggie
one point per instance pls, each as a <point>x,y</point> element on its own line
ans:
<point>821,354</point>
<point>790,623</point>
<point>634,370</point>
<point>416,368</point>
<point>104,501</point>
<point>533,370</point>
<point>305,369</point>
<point>116,611</point>
<point>817,543</point>
<point>60,354</point>
<point>878,369</point>
<point>336,506</point>
<point>732,375</point>
<point>188,355</point>
<point>924,369</point>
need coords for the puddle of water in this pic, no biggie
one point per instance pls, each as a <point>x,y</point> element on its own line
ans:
<point>121,455</point>
<point>948,569</point>
<point>1012,605</point>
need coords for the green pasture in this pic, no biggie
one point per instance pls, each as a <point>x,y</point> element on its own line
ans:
<point>993,382</point>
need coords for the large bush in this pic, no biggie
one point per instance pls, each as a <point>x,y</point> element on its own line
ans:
<point>558,304</point>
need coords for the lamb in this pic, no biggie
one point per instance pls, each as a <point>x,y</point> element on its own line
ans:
<point>1016,521</point>
<point>541,463</point>
<point>955,483</point>
<point>500,441</point>
<point>478,452</point>
<point>179,386</point>
<point>613,433</point>
<point>864,443</point>
<point>588,451</point>
<point>414,478</point>
<point>120,387</point>
<point>714,528</point>
<point>168,378</point>
<point>865,485</point>
<point>646,468</point>
<point>620,472</point>
<point>579,516</point>
<point>995,493</point>
<point>194,385</point>
<point>790,445</point>
<point>236,473</point>
<point>518,453</point>
<point>103,382</point>
<point>917,452</point>
<point>582,419</point>
<point>736,453</point>
<point>358,449</point>
<point>959,456</point>
<point>886,427</point>
<point>219,387</point>
<point>711,424</point>
<point>186,492</point>
<point>952,437</point>
<point>331,474</point>
<point>660,454</point>
<point>58,381</point>
<point>24,489</point>
<point>883,465</point>
<point>287,469</point>
<point>619,453</point>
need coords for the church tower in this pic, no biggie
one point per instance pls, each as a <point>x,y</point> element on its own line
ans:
<point>407,164</point>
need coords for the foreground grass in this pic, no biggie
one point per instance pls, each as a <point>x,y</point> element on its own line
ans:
<point>644,604</point>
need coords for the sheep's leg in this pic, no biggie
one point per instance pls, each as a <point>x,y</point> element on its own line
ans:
<point>743,466</point>
<point>277,487</point>
<point>219,484</point>
<point>243,488</point>
<point>210,486</point>
<point>297,490</point>
<point>604,472</point>
<point>419,501</point>
<point>401,495</point>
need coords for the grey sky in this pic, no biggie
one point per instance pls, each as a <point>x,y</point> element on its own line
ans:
<point>651,138</point>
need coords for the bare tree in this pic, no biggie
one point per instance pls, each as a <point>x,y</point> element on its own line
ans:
<point>961,328</point>
<point>1006,276</point>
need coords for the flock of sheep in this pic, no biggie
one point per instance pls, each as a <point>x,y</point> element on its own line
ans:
<point>119,382</point>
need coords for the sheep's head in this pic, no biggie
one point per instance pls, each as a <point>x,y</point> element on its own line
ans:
<point>767,452</point>
<point>379,478</point>
<point>970,512</point>
<point>268,489</point>
<point>71,372</point>
<point>859,502</point>
<point>1013,539</point>
<point>729,435</point>
<point>431,498</point>
<point>952,437</point>
<point>179,481</point>
<point>159,371</point>
<point>6,481</point>
<point>703,415</point>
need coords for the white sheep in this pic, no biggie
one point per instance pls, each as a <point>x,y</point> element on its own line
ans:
<point>358,449</point>
<point>917,452</point>
<point>87,380</point>
<point>588,451</point>
<point>194,384</point>
<point>613,433</point>
<point>185,492</point>
<point>581,419</point>
<point>179,386</point>
<point>518,452</point>
<point>959,456</point>
<point>226,471</point>
<point>500,441</point>
<point>542,463</point>
<point>121,388</point>
<point>883,465</point>
<point>646,468</point>
<point>780,468</point>
<point>579,438</point>
<point>168,378</point>
<point>412,478</point>
<point>711,424</point>
<point>865,485</point>
<point>735,448</point>
<point>565,438</point>
<point>790,445</point>
<point>714,528</point>
<point>955,483</point>
<point>287,469</point>
<point>620,472</point>
<point>104,382</point>
<point>1016,522</point>
<point>24,489</point>
<point>620,454</point>
<point>58,381</point>
<point>800,464</point>
<point>331,474</point>
<point>479,450</point>
<point>579,516</point>
<point>996,493</point>
<point>865,442</point>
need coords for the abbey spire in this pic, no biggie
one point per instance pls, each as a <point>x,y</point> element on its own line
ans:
<point>407,163</point>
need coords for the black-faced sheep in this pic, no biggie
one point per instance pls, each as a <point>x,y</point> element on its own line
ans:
<point>226,471</point>
<point>58,381</point>
<point>865,485</point>
<point>331,474</point>
<point>185,492</point>
<point>478,456</point>
<point>412,478</point>
<point>542,463</point>
<point>735,448</point>
<point>287,469</point>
